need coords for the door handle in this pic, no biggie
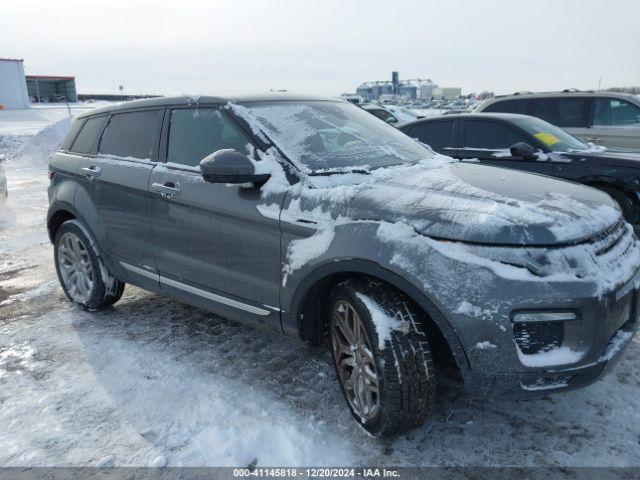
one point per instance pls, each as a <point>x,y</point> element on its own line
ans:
<point>166,190</point>
<point>594,139</point>
<point>91,172</point>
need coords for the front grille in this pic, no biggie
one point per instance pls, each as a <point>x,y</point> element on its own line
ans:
<point>537,337</point>
<point>604,241</point>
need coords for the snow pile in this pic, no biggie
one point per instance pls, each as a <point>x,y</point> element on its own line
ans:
<point>41,147</point>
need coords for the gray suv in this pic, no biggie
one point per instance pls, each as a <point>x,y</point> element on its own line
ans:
<point>313,218</point>
<point>603,118</point>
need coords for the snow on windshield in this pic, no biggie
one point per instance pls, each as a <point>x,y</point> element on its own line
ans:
<point>321,135</point>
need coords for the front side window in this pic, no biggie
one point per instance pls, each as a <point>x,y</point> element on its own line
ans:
<point>438,135</point>
<point>482,135</point>
<point>552,137</point>
<point>131,134</point>
<point>615,112</point>
<point>318,135</point>
<point>88,136</point>
<point>197,133</point>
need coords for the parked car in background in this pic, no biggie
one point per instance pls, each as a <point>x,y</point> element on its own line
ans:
<point>392,113</point>
<point>313,218</point>
<point>603,118</point>
<point>530,144</point>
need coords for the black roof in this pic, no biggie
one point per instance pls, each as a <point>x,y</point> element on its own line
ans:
<point>202,99</point>
<point>509,117</point>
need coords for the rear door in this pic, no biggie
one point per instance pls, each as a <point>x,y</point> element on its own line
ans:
<point>214,246</point>
<point>440,135</point>
<point>120,171</point>
<point>616,123</point>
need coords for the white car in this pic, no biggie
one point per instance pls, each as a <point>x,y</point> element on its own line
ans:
<point>604,118</point>
<point>392,113</point>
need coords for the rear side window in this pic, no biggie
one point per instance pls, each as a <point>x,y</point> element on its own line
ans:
<point>131,134</point>
<point>479,134</point>
<point>615,112</point>
<point>562,112</point>
<point>88,136</point>
<point>573,112</point>
<point>509,106</point>
<point>438,135</point>
<point>197,133</point>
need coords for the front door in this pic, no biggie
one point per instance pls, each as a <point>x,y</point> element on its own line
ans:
<point>616,123</point>
<point>214,247</point>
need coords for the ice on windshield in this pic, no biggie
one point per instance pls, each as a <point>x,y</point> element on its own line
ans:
<point>326,135</point>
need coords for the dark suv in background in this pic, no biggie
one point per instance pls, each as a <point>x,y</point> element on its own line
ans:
<point>527,143</point>
<point>316,219</point>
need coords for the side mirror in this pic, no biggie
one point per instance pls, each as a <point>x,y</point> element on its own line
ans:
<point>392,120</point>
<point>230,166</point>
<point>524,150</point>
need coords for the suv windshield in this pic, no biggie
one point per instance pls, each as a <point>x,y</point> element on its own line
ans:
<point>554,138</point>
<point>324,135</point>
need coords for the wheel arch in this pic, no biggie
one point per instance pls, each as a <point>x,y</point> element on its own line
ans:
<point>303,317</point>
<point>600,181</point>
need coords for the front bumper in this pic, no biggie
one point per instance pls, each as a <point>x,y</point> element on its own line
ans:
<point>535,384</point>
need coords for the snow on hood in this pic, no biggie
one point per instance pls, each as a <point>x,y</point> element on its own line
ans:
<point>462,202</point>
<point>477,203</point>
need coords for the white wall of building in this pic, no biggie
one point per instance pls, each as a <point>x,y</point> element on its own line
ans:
<point>13,84</point>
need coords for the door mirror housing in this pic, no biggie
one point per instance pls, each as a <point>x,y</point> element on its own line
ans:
<point>524,150</point>
<point>230,166</point>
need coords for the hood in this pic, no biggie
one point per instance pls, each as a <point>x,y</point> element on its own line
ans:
<point>616,158</point>
<point>489,205</point>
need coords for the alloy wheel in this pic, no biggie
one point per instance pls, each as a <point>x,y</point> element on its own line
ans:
<point>354,360</point>
<point>75,267</point>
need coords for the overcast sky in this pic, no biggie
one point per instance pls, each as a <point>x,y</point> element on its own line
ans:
<point>324,46</point>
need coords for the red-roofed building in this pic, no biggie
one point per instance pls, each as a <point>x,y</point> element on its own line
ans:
<point>52,88</point>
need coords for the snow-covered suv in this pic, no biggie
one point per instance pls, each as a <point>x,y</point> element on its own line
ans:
<point>316,219</point>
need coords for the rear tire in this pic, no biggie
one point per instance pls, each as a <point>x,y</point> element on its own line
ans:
<point>82,273</point>
<point>389,389</point>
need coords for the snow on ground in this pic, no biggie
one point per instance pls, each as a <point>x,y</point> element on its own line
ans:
<point>152,381</point>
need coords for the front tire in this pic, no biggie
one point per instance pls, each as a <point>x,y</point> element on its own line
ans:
<point>81,272</point>
<point>381,356</point>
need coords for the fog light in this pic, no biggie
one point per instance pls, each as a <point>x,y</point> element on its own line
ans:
<point>543,316</point>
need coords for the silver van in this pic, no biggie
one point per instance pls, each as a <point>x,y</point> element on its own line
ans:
<point>603,118</point>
